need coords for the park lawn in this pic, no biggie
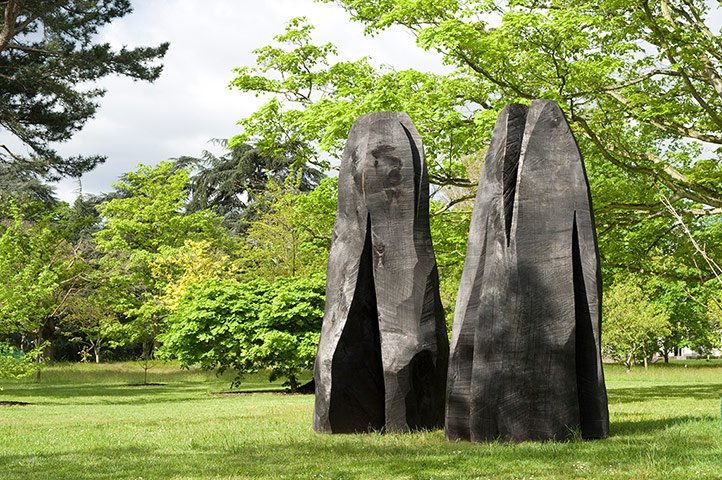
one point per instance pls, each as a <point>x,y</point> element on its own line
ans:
<point>86,422</point>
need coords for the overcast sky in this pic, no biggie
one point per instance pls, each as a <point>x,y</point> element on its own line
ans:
<point>146,123</point>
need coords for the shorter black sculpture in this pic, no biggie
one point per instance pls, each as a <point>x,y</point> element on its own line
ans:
<point>383,353</point>
<point>525,352</point>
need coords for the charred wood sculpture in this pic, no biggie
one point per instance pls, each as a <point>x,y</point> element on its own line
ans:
<point>383,353</point>
<point>525,351</point>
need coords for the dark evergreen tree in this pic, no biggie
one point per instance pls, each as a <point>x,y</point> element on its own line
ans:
<point>18,181</point>
<point>47,51</point>
<point>233,183</point>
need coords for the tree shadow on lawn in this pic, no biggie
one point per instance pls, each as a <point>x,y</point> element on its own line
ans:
<point>652,427</point>
<point>118,394</point>
<point>124,394</point>
<point>354,456</point>
<point>700,391</point>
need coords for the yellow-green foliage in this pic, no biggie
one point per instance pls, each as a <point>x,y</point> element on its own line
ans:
<point>632,326</point>
<point>38,268</point>
<point>188,265</point>
<point>291,237</point>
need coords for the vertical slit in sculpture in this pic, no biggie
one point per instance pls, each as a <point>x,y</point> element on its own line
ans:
<point>357,400</point>
<point>516,121</point>
<point>416,162</point>
<point>587,391</point>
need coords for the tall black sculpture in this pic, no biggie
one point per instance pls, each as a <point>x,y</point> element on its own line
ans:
<point>525,351</point>
<point>383,354</point>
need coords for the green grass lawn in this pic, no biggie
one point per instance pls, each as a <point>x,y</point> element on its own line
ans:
<point>86,422</point>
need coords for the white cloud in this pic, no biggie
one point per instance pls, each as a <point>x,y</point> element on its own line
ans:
<point>190,104</point>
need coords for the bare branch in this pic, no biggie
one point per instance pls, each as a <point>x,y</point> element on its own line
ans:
<point>23,48</point>
<point>25,23</point>
<point>454,202</point>
<point>11,153</point>
<point>689,238</point>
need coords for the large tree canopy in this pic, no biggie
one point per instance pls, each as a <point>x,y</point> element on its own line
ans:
<point>47,53</point>
<point>315,102</point>
<point>639,81</point>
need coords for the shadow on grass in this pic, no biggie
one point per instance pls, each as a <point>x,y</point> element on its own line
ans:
<point>633,451</point>
<point>654,426</point>
<point>639,394</point>
<point>119,394</point>
<point>124,394</point>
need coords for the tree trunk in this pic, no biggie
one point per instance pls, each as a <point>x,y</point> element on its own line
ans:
<point>147,347</point>
<point>292,381</point>
<point>153,344</point>
<point>646,363</point>
<point>628,363</point>
<point>96,350</point>
<point>47,333</point>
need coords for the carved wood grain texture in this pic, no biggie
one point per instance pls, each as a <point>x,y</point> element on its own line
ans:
<point>383,353</point>
<point>525,358</point>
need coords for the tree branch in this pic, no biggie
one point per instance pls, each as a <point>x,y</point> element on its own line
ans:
<point>454,202</point>
<point>689,238</point>
<point>24,48</point>
<point>4,147</point>
<point>477,68</point>
<point>607,149</point>
<point>657,273</point>
<point>698,22</point>
<point>711,74</point>
<point>25,23</point>
<point>650,74</point>
<point>673,60</point>
<point>11,14</point>
<point>671,127</point>
<point>666,174</point>
<point>449,181</point>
